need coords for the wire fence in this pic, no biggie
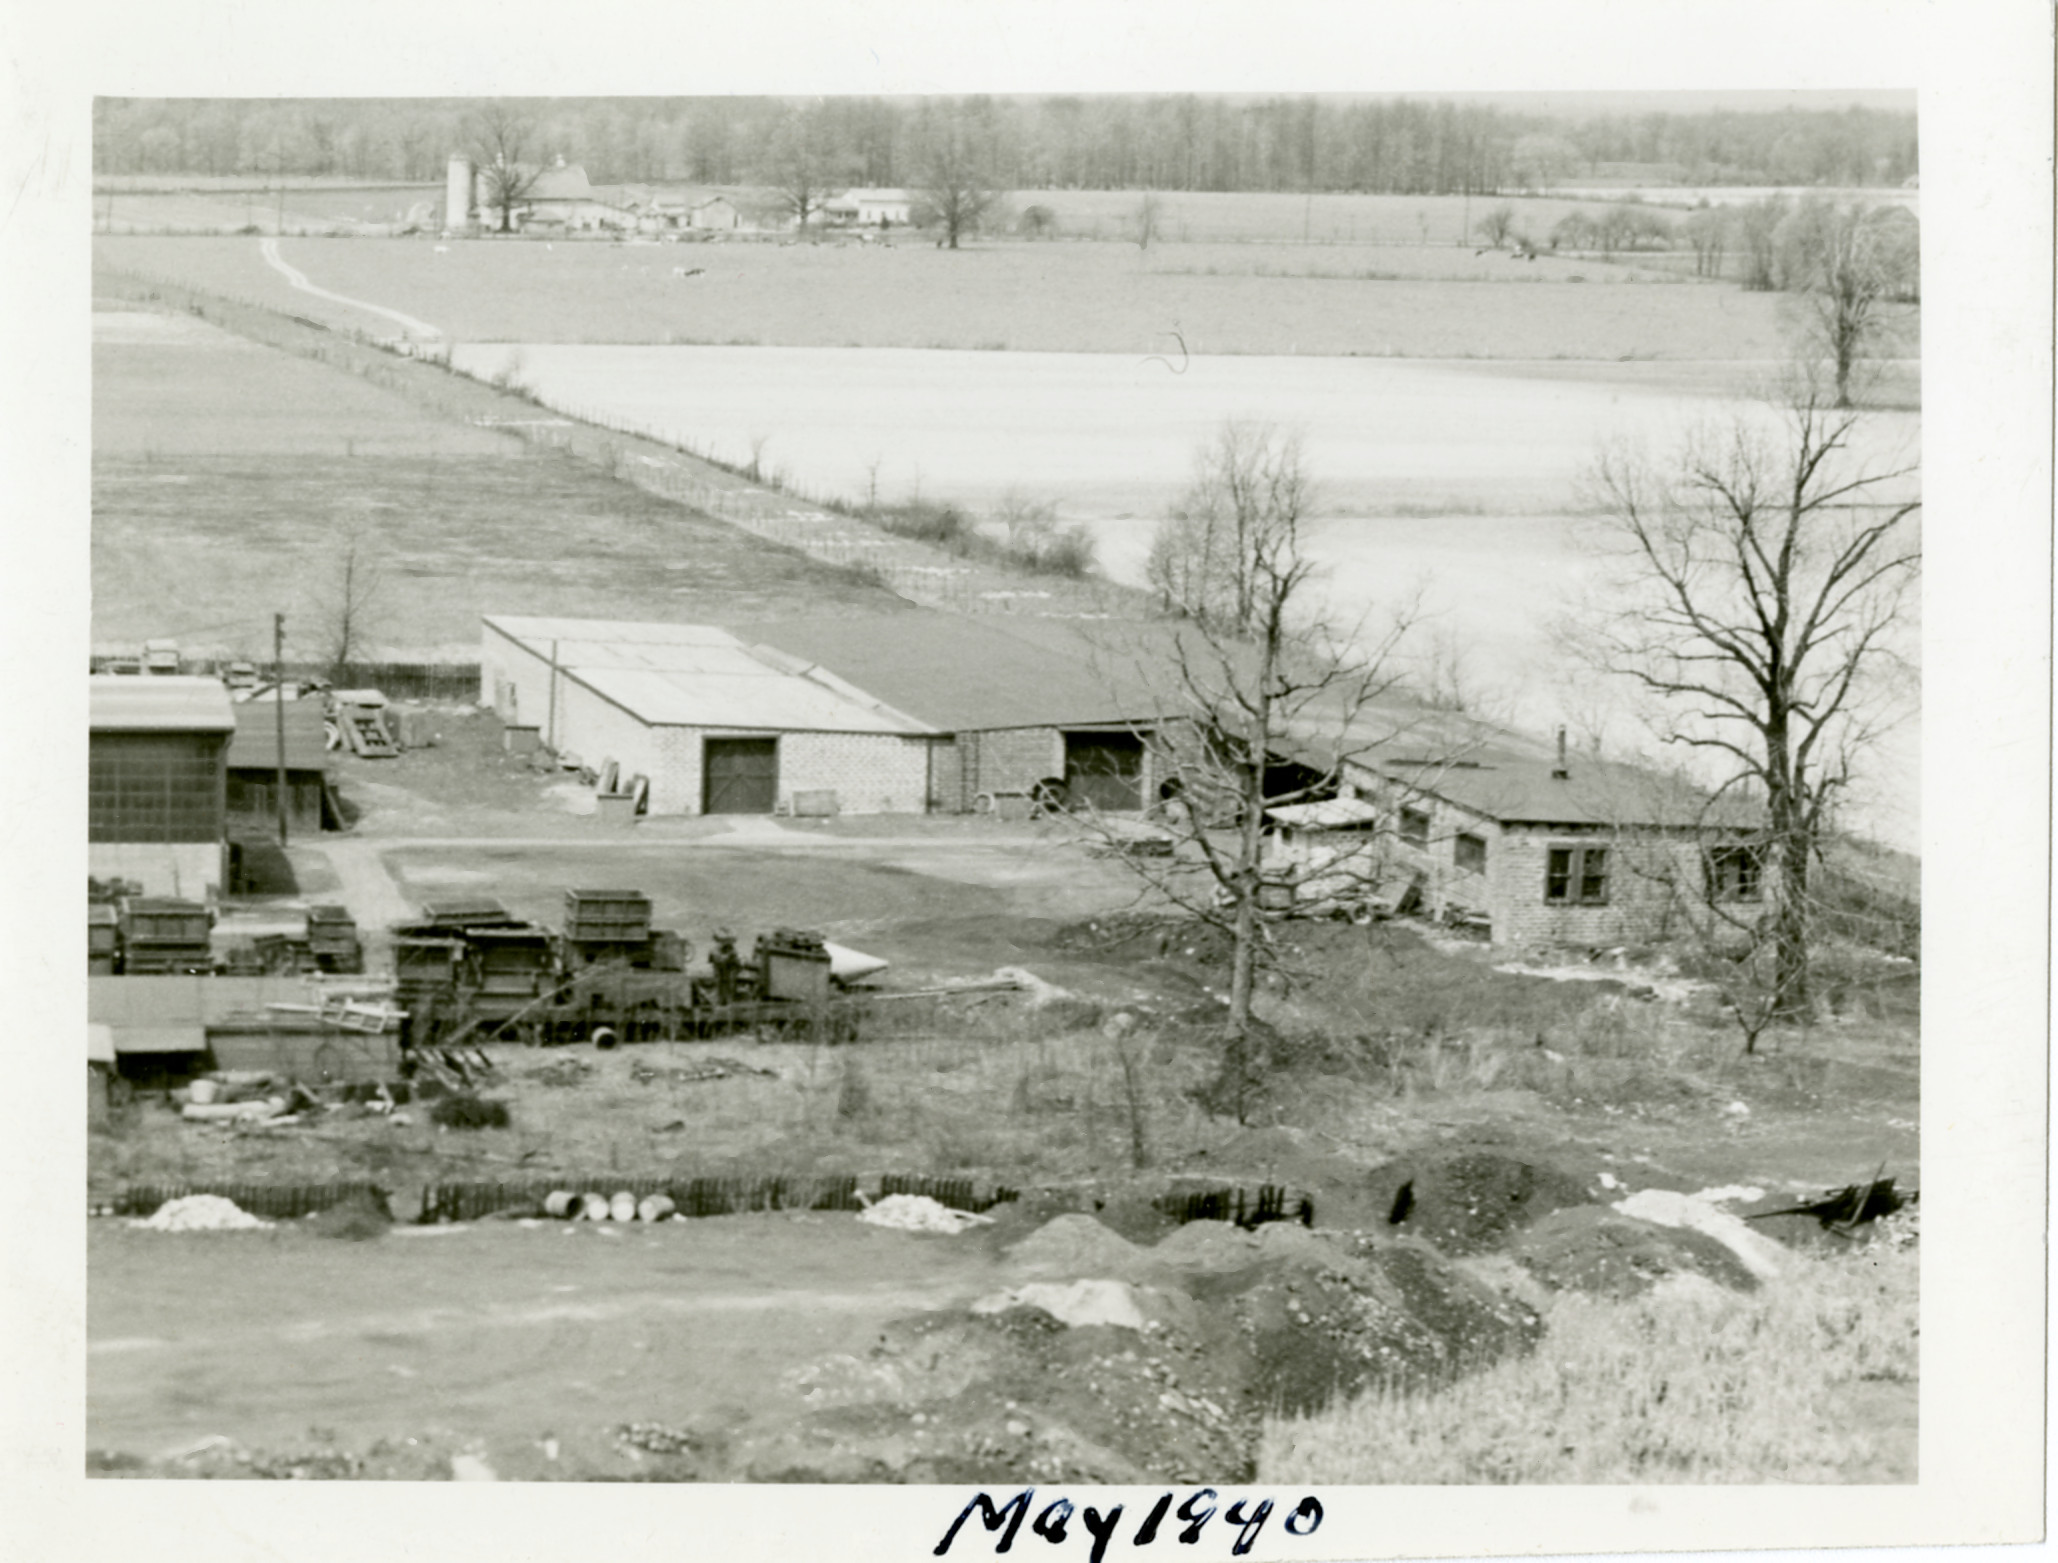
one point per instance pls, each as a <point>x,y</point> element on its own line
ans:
<point>648,458</point>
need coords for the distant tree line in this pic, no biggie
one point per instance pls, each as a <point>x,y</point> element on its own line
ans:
<point>1183,142</point>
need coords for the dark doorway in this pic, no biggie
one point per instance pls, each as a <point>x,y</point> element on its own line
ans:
<point>739,775</point>
<point>1104,771</point>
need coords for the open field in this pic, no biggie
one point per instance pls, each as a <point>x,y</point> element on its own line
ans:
<point>145,204</point>
<point>196,548</point>
<point>173,386</point>
<point>218,461</point>
<point>1017,296</point>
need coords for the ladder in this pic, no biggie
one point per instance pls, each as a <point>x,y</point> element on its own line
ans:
<point>365,731</point>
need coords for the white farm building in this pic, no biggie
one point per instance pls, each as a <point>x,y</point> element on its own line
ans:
<point>715,725</point>
<point>904,713</point>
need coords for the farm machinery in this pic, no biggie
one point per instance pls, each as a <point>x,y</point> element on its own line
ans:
<point>470,971</point>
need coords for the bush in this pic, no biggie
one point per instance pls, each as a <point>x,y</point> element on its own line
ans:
<point>354,1221</point>
<point>469,1112</point>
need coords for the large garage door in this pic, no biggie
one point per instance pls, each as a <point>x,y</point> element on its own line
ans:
<point>739,775</point>
<point>1104,771</point>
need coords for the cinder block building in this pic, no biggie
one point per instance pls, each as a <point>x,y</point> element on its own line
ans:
<point>903,713</point>
<point>1578,852</point>
<point>1016,710</point>
<point>711,724</point>
<point>156,787</point>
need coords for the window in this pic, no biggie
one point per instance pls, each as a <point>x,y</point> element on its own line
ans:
<point>1468,852</point>
<point>1576,876</point>
<point>1735,873</point>
<point>1415,827</point>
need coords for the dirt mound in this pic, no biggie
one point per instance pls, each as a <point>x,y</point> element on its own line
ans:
<point>1076,1245</point>
<point>1470,1200</point>
<point>1594,1249</point>
<point>1151,1382</point>
<point>1013,1395</point>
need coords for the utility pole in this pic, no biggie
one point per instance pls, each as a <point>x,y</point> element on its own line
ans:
<point>279,711</point>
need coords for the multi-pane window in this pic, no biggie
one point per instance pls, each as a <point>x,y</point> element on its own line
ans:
<point>1468,853</point>
<point>1576,876</point>
<point>1415,827</point>
<point>1735,873</point>
<point>154,787</point>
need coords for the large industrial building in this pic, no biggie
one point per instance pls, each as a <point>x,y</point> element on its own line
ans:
<point>156,790</point>
<point>903,713</point>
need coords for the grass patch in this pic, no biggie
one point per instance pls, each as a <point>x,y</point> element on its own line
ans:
<point>1681,1386</point>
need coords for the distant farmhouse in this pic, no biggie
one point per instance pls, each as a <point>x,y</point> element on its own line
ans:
<point>561,199</point>
<point>870,208</point>
<point>557,199</point>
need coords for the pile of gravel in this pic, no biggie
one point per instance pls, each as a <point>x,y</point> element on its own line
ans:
<point>200,1213</point>
<point>1076,1245</point>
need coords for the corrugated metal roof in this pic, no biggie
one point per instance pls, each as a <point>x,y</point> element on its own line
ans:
<point>694,675</point>
<point>957,674</point>
<point>256,744</point>
<point>1517,789</point>
<point>131,1002</point>
<point>760,700</point>
<point>174,704</point>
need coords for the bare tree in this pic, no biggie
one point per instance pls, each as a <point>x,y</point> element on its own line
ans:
<point>1263,701</point>
<point>1846,266</point>
<point>957,183</point>
<point>1763,576</point>
<point>1148,208</point>
<point>350,601</point>
<point>1497,224</point>
<point>1757,222</point>
<point>502,138</point>
<point>805,165</point>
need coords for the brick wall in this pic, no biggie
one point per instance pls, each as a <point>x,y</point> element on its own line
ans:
<point>1511,890</point>
<point>596,731</point>
<point>1639,900</point>
<point>871,773</point>
<point>1013,759</point>
<point>514,681</point>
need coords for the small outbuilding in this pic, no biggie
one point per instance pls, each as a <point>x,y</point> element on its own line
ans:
<point>157,783</point>
<point>253,770</point>
<point>1019,708</point>
<point>1579,852</point>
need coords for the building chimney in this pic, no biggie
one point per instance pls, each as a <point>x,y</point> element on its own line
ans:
<point>1560,773</point>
